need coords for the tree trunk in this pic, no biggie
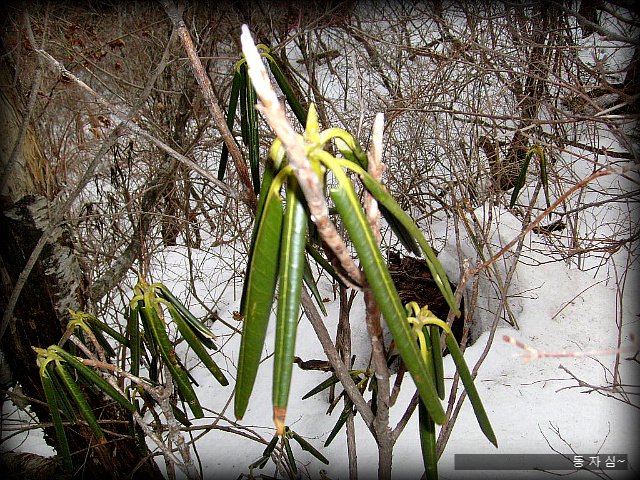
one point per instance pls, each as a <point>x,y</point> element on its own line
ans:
<point>55,284</point>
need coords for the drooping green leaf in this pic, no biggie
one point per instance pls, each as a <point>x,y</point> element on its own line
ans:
<point>231,114</point>
<point>384,290</point>
<point>194,342</point>
<point>373,386</point>
<point>436,355</point>
<point>311,284</point>
<point>544,178</point>
<point>244,124</point>
<point>332,380</point>
<point>180,416</point>
<point>259,463</point>
<point>93,378</point>
<point>326,266</point>
<point>199,328</point>
<point>307,447</point>
<point>401,233</point>
<point>253,143</point>
<point>168,354</point>
<point>270,171</point>
<point>342,419</point>
<point>472,392</point>
<point>50,395</point>
<point>428,443</point>
<point>62,398</point>
<point>81,402</point>
<point>133,331</point>
<point>260,287</point>
<point>522,176</point>
<point>271,446</point>
<point>285,86</point>
<point>97,327</point>
<point>383,197</point>
<point>291,459</point>
<point>292,260</point>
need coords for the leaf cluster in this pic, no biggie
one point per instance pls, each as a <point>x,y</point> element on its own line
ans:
<point>65,374</point>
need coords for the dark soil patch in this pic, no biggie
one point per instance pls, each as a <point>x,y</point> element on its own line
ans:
<point>414,282</point>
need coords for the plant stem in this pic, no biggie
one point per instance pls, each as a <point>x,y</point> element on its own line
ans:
<point>334,358</point>
<point>343,345</point>
<point>309,181</point>
<point>175,14</point>
<point>384,435</point>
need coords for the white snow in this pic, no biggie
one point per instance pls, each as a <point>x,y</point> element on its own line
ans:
<point>533,406</point>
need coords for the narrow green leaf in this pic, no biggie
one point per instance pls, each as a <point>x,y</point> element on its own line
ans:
<point>544,178</point>
<point>373,386</point>
<point>231,114</point>
<point>62,398</point>
<point>401,233</point>
<point>78,397</point>
<point>141,439</point>
<point>292,260</point>
<point>97,327</point>
<point>386,200</point>
<point>146,337</point>
<point>50,395</point>
<point>133,331</point>
<point>154,367</point>
<point>195,324</point>
<point>384,290</point>
<point>342,419</point>
<point>244,124</point>
<point>332,380</point>
<point>307,447</point>
<point>436,355</point>
<point>94,378</point>
<point>171,361</point>
<point>194,342</point>
<point>271,446</point>
<point>522,176</point>
<point>267,179</point>
<point>290,457</point>
<point>311,283</point>
<point>180,416</point>
<point>252,135</point>
<point>260,287</point>
<point>285,86</point>
<point>428,354</point>
<point>469,385</point>
<point>259,463</point>
<point>428,443</point>
<point>326,266</point>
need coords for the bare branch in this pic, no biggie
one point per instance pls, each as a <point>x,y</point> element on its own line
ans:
<point>533,353</point>
<point>175,14</point>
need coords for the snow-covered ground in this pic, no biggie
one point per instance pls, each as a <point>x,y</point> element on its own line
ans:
<point>534,407</point>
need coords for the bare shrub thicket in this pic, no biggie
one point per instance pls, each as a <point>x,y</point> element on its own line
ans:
<point>467,90</point>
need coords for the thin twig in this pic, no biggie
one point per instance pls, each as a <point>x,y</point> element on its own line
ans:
<point>561,199</point>
<point>384,435</point>
<point>533,353</point>
<point>175,14</point>
<point>333,356</point>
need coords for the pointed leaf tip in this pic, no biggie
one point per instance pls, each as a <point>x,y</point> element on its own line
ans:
<point>279,415</point>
